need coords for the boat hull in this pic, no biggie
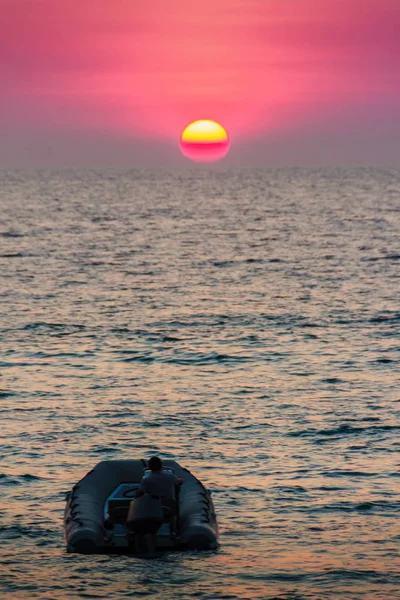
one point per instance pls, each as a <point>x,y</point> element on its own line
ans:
<point>97,508</point>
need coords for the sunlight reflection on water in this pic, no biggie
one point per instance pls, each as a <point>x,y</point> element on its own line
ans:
<point>244,323</point>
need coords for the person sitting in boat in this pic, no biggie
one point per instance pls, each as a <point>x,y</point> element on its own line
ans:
<point>161,483</point>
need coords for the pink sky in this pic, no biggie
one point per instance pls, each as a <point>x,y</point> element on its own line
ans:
<point>293,81</point>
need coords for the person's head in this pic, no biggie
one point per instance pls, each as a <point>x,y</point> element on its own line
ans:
<point>155,463</point>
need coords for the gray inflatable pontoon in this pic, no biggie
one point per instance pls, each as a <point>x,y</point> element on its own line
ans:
<point>97,509</point>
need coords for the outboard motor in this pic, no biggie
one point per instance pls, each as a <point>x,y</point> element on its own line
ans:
<point>145,515</point>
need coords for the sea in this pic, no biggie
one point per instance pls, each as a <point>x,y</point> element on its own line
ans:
<point>244,322</point>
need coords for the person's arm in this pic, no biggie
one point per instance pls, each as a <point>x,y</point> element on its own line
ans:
<point>142,489</point>
<point>178,480</point>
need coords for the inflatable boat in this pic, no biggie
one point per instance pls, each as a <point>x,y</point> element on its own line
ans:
<point>96,513</point>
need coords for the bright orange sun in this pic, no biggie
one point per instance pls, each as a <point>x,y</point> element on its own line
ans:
<point>204,141</point>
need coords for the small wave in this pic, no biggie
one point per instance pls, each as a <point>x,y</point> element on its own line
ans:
<point>208,359</point>
<point>105,450</point>
<point>53,326</point>
<point>108,414</point>
<point>326,575</point>
<point>141,358</point>
<point>198,359</point>
<point>347,473</point>
<point>363,575</point>
<point>18,479</point>
<point>10,364</point>
<point>385,360</point>
<point>12,532</point>
<point>376,506</point>
<point>7,393</point>
<point>223,263</point>
<point>12,255</point>
<point>283,576</point>
<point>254,261</point>
<point>30,477</point>
<point>332,380</point>
<point>385,257</point>
<point>290,489</point>
<point>386,318</point>
<point>331,488</point>
<point>11,234</point>
<point>29,408</point>
<point>240,320</point>
<point>343,430</point>
<point>119,424</point>
<point>43,354</point>
<point>7,480</point>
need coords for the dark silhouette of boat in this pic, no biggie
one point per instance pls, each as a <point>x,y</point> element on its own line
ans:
<point>95,518</point>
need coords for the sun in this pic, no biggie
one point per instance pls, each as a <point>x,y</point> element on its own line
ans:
<point>204,141</point>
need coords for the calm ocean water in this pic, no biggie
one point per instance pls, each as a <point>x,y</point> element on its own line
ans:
<point>245,323</point>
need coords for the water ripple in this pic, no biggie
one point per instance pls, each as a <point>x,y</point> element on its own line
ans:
<point>245,323</point>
